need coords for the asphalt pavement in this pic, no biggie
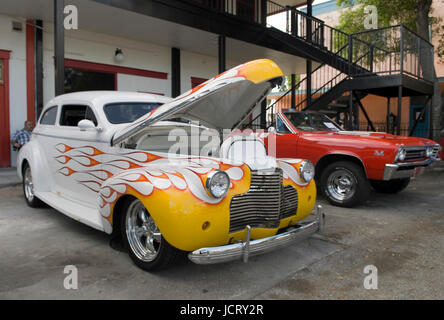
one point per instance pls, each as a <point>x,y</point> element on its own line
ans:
<point>399,237</point>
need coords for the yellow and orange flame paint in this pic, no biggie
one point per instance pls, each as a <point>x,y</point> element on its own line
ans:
<point>175,195</point>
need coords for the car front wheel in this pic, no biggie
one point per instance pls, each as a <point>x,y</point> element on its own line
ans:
<point>344,184</point>
<point>145,244</point>
<point>392,186</point>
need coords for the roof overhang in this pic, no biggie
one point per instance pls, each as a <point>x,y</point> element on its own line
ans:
<point>291,3</point>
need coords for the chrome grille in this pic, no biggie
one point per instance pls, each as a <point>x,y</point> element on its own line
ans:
<point>289,202</point>
<point>265,204</point>
<point>436,150</point>
<point>416,153</point>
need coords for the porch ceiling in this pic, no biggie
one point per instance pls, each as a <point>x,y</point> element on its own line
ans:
<point>100,18</point>
<point>291,2</point>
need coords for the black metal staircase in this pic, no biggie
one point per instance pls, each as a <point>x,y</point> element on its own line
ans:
<point>387,62</point>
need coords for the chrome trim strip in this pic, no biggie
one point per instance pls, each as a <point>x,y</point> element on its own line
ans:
<point>248,248</point>
<point>414,163</point>
<point>69,138</point>
<point>391,172</point>
<point>247,245</point>
<point>286,122</point>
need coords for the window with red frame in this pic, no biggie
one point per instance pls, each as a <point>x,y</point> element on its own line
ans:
<point>197,81</point>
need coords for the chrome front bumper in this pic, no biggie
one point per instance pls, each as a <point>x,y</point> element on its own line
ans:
<point>406,169</point>
<point>250,248</point>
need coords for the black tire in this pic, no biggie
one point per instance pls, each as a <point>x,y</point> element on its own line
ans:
<point>392,186</point>
<point>345,184</point>
<point>28,188</point>
<point>166,254</point>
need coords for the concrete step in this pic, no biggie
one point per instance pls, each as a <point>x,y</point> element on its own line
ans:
<point>9,177</point>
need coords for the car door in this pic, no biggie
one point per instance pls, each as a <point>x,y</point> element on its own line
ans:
<point>44,133</point>
<point>286,139</point>
<point>76,158</point>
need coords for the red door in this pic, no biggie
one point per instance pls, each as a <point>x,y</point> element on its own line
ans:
<point>5,145</point>
<point>195,81</point>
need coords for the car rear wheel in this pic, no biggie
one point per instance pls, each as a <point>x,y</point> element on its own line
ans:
<point>392,186</point>
<point>344,184</point>
<point>28,189</point>
<point>145,244</point>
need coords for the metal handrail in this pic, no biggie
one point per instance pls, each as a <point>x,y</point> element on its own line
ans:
<point>394,27</point>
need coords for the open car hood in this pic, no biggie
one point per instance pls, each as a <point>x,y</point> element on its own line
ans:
<point>222,102</point>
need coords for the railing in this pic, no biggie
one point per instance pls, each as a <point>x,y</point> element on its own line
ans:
<point>275,8</point>
<point>386,51</point>
<point>308,28</point>
<point>396,50</point>
<point>248,10</point>
<point>323,79</point>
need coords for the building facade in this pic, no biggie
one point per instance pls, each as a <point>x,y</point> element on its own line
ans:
<point>165,47</point>
<point>162,50</point>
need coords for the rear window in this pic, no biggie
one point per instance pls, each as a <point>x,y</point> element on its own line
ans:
<point>128,111</point>
<point>49,117</point>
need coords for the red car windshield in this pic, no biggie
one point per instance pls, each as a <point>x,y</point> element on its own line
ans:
<point>312,122</point>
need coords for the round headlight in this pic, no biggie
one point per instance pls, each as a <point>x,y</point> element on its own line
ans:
<point>307,171</point>
<point>429,151</point>
<point>402,154</point>
<point>218,183</point>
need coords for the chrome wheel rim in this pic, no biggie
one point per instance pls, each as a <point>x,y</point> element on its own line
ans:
<point>144,237</point>
<point>341,185</point>
<point>29,185</point>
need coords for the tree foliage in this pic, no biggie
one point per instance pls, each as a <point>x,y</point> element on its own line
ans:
<point>391,12</point>
<point>288,83</point>
<point>416,15</point>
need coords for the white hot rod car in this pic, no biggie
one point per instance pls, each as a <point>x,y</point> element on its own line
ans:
<point>106,160</point>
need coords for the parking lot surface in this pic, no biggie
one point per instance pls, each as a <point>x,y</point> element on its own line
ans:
<point>401,235</point>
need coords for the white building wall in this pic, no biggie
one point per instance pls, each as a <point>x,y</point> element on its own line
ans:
<point>200,66</point>
<point>127,82</point>
<point>97,48</point>
<point>196,65</point>
<point>15,41</point>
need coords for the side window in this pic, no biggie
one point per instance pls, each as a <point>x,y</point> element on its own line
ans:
<point>280,126</point>
<point>89,115</point>
<point>73,113</point>
<point>49,117</point>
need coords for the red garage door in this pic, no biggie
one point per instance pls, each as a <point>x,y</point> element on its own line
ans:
<point>5,146</point>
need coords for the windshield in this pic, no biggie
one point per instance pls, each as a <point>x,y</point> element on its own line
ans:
<point>312,122</point>
<point>126,112</point>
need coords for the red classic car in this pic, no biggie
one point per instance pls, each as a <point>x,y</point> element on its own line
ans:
<point>349,163</point>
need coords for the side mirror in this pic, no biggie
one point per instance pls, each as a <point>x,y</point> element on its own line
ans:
<point>85,124</point>
<point>272,130</point>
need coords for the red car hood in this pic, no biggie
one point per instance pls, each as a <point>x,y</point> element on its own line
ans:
<point>369,137</point>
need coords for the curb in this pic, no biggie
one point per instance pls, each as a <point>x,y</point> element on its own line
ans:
<point>11,184</point>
